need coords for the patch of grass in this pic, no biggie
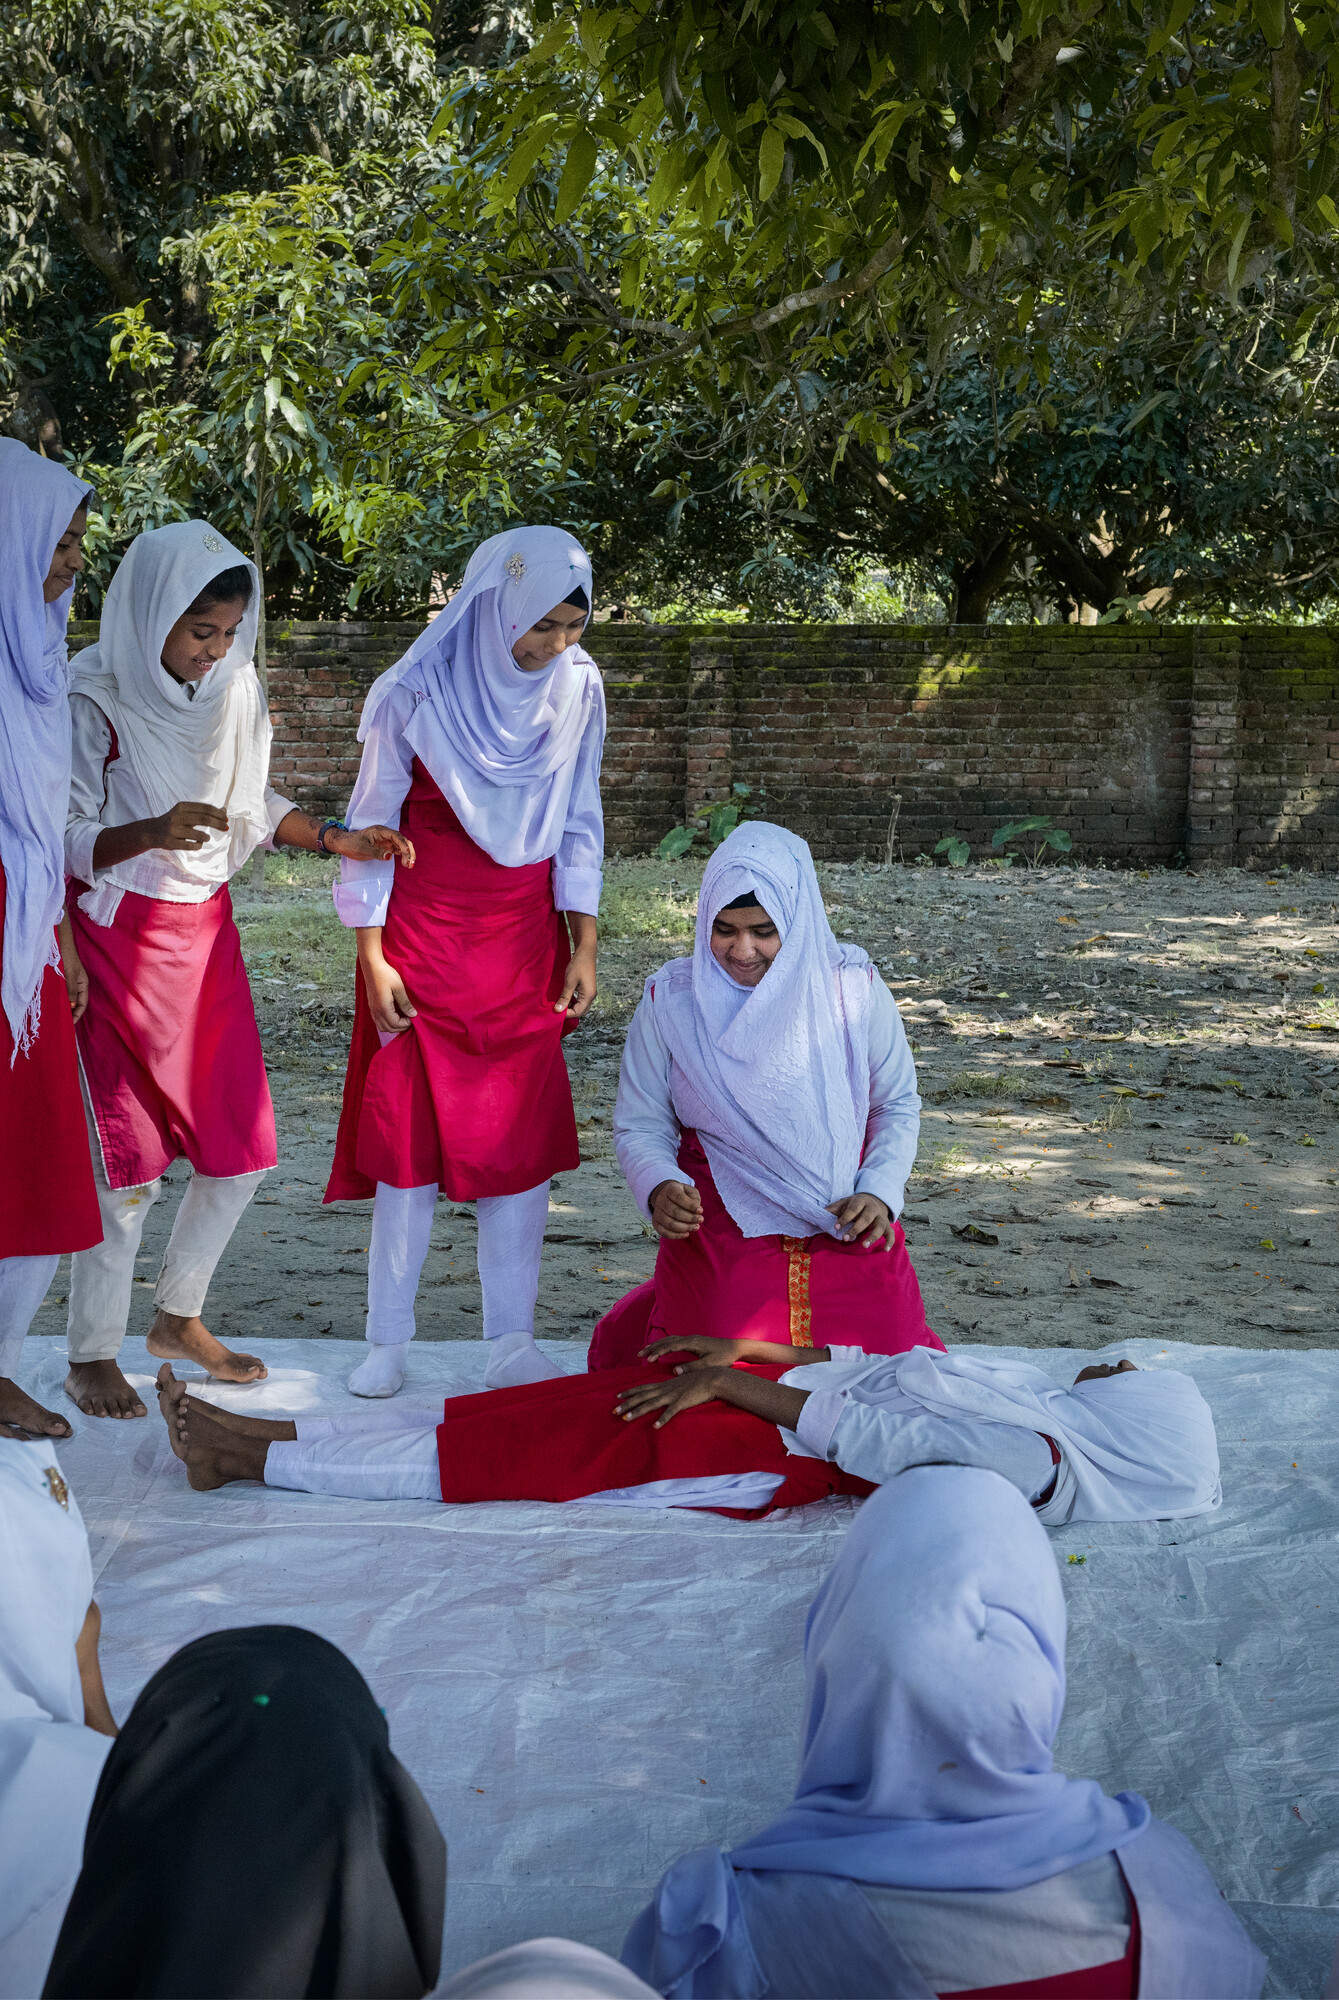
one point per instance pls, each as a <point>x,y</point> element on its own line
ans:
<point>294,868</point>
<point>986,1083</point>
<point>650,898</point>
<point>296,940</point>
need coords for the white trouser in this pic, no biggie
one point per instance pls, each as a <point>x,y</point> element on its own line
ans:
<point>511,1242</point>
<point>389,1453</point>
<point>23,1286</point>
<point>101,1279</point>
<point>372,1454</point>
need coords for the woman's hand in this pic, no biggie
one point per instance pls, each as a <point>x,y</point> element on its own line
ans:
<point>392,1009</point>
<point>578,983</point>
<point>696,1385</point>
<point>76,979</point>
<point>864,1219</point>
<point>186,825</point>
<point>713,1353</point>
<point>370,843</point>
<point>676,1210</point>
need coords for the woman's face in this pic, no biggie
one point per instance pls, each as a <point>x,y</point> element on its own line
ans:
<point>200,638</point>
<point>745,942</point>
<point>68,559</point>
<point>542,644</point>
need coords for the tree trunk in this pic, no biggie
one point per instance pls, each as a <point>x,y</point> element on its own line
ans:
<point>979,582</point>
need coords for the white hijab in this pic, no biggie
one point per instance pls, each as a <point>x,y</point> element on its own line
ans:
<point>49,1761</point>
<point>212,747</point>
<point>1135,1447</point>
<point>501,744</point>
<point>38,500</point>
<point>774,1078</point>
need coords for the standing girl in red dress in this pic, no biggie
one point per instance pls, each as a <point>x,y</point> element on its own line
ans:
<point>170,797</point>
<point>47,1202</point>
<point>483,747</point>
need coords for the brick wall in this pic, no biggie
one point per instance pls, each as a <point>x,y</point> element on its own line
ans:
<point>1220,743</point>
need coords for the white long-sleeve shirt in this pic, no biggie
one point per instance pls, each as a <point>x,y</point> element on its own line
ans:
<point>876,1440</point>
<point>384,776</point>
<point>647,1127</point>
<point>103,794</point>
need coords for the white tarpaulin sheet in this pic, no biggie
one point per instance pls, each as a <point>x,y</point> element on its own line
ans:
<point>584,1692</point>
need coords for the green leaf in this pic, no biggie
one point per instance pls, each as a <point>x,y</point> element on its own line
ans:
<point>1015,827</point>
<point>958,851</point>
<point>676,842</point>
<point>1234,254</point>
<point>578,172</point>
<point>1269,20</point>
<point>771,162</point>
<point>1059,840</point>
<point>1167,141</point>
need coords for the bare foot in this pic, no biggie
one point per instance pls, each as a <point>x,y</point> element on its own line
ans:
<point>184,1413</point>
<point>215,1456</point>
<point>19,1409</point>
<point>101,1390</point>
<point>172,1338</point>
<point>172,1403</point>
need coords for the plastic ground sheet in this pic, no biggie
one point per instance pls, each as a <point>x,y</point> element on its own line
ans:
<point>584,1692</point>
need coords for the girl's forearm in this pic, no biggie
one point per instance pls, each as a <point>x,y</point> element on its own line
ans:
<point>369,947</point>
<point>771,1400</point>
<point>582,928</point>
<point>299,829</point>
<point>124,843</point>
<point>785,1357</point>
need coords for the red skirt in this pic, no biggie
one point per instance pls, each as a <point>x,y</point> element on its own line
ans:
<point>170,1046</point>
<point>475,1095</point>
<point>805,1291</point>
<point>48,1203</point>
<point>561,1441</point>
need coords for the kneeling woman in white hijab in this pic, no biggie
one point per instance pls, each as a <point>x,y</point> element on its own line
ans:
<point>170,797</point>
<point>931,1847</point>
<point>767,1120</point>
<point>482,745</point>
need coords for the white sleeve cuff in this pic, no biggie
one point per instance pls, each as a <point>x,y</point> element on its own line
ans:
<point>869,1181</point>
<point>847,1354</point>
<point>818,1420</point>
<point>81,837</point>
<point>362,899</point>
<point>577,889</point>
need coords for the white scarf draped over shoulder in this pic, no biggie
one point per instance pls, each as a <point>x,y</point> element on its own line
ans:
<point>774,1078</point>
<point>500,743</point>
<point>38,500</point>
<point>49,1761</point>
<point>211,747</point>
<point>1135,1446</point>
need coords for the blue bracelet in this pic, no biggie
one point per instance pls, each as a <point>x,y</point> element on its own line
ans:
<point>326,825</point>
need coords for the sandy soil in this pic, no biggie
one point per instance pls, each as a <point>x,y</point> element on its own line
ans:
<point>1130,1113</point>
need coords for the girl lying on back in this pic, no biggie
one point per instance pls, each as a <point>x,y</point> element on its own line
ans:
<point>1121,1445</point>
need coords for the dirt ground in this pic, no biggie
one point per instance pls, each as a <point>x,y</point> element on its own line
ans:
<point>1130,1121</point>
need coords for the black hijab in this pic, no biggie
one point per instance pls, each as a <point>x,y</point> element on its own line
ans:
<point>253,1838</point>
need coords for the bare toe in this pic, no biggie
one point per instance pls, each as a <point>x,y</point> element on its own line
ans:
<point>18,1408</point>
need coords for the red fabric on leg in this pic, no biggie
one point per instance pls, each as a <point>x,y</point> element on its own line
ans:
<point>561,1440</point>
<point>811,1292</point>
<point>475,1095</point>
<point>48,1203</point>
<point>170,1046</point>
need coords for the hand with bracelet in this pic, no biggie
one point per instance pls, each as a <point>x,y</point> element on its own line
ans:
<point>187,826</point>
<point>713,1378</point>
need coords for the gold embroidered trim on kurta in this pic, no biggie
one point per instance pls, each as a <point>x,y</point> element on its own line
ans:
<point>801,1313</point>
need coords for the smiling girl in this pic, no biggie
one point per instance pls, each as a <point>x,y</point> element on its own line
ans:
<point>767,1120</point>
<point>170,797</point>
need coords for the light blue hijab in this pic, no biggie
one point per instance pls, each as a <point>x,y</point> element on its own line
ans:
<point>38,500</point>
<point>934,1661</point>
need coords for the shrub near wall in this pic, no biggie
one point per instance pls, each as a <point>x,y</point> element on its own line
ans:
<point>1146,741</point>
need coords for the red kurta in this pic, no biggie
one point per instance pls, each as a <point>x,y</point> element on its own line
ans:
<point>809,1291</point>
<point>475,1095</point>
<point>170,1046</point>
<point>561,1440</point>
<point>48,1203</point>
